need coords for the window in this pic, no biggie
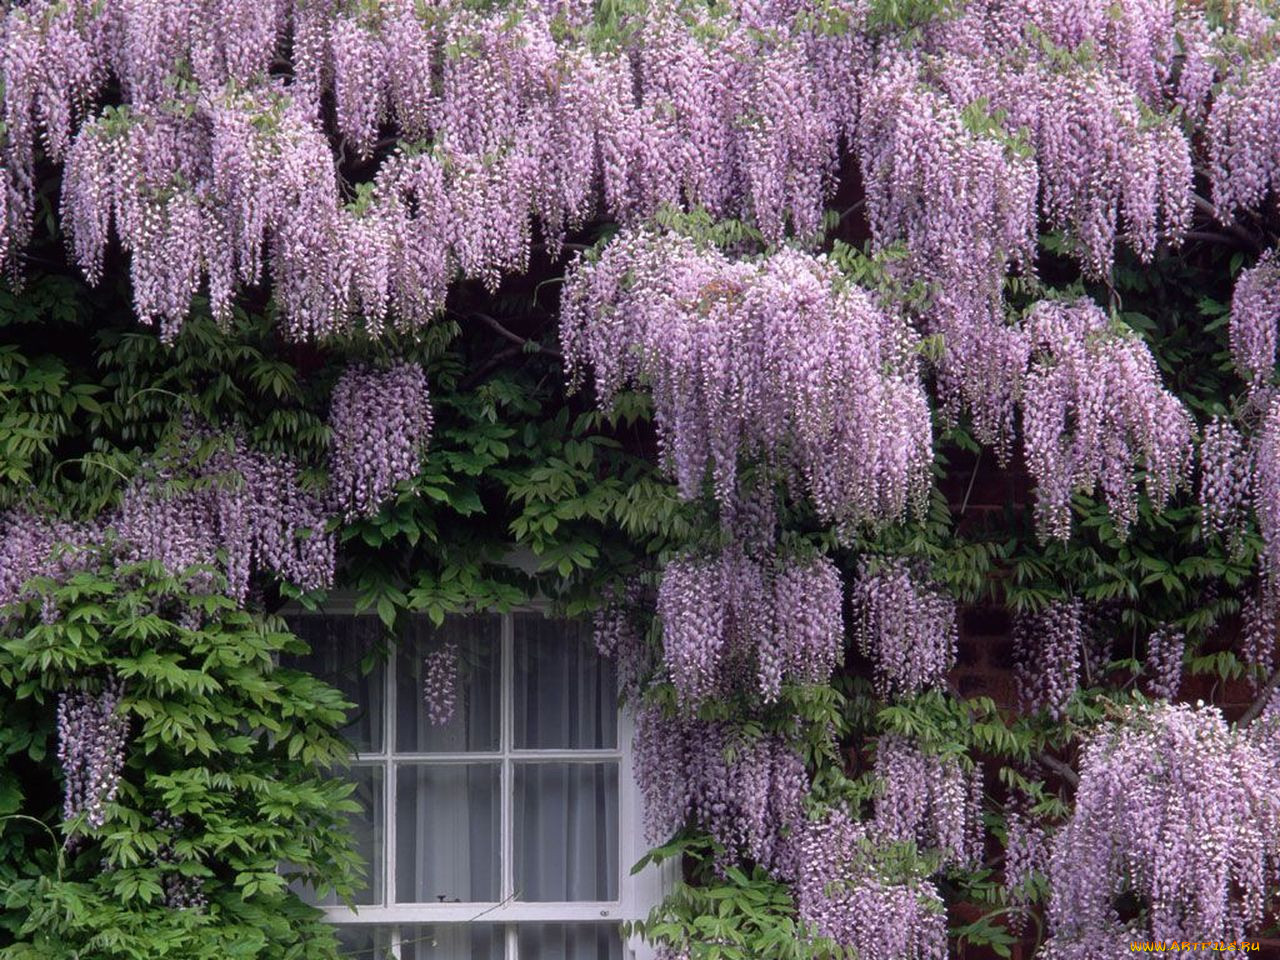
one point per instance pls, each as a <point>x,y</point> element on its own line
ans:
<point>507,833</point>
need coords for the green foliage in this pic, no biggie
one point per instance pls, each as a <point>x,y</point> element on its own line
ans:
<point>742,915</point>
<point>237,747</point>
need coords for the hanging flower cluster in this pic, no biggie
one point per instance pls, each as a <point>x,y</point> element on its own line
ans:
<point>36,545</point>
<point>1094,412</point>
<point>619,627</point>
<point>233,511</point>
<point>526,116</point>
<point>92,737</point>
<point>1047,650</point>
<point>929,800</point>
<point>1179,809</point>
<point>1255,314</point>
<point>440,682</point>
<point>747,794</point>
<point>841,894</point>
<point>1226,475</point>
<point>239,504</point>
<point>1026,853</point>
<point>1165,650</point>
<point>731,621</point>
<point>381,423</point>
<point>906,624</point>
<point>181,892</point>
<point>775,358</point>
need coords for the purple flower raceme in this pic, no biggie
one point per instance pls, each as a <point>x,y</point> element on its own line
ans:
<point>747,794</point>
<point>1026,853</point>
<point>1094,412</point>
<point>40,545</point>
<point>1255,314</point>
<point>1165,650</point>
<point>842,894</point>
<point>440,683</point>
<point>929,800</point>
<point>236,511</point>
<point>1182,811</point>
<point>1048,647</point>
<point>619,634</point>
<point>730,621</point>
<point>92,739</point>
<point>905,624</point>
<point>774,358</point>
<point>381,424</point>
<point>1226,475</point>
<point>181,892</point>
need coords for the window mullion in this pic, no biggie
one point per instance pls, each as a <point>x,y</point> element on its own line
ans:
<point>389,779</point>
<point>506,740</point>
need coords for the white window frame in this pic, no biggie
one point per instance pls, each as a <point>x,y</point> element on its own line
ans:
<point>637,893</point>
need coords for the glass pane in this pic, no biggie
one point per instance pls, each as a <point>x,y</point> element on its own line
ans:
<point>477,714</point>
<point>339,642</point>
<point>364,942</point>
<point>566,831</point>
<point>570,941</point>
<point>566,694</point>
<point>367,829</point>
<point>451,941</point>
<point>447,832</point>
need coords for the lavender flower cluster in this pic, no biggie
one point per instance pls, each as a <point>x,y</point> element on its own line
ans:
<point>1026,853</point>
<point>747,794</point>
<point>37,545</point>
<point>236,511</point>
<point>181,892</point>
<point>93,736</point>
<point>775,358</point>
<point>1094,412</point>
<point>1226,475</point>
<point>742,110</point>
<point>619,634</point>
<point>730,621</point>
<point>526,115</point>
<point>440,683</point>
<point>381,424</point>
<point>1047,649</point>
<point>1165,650</point>
<point>906,624</point>
<point>1255,313</point>
<point>841,894</point>
<point>1179,809</point>
<point>930,800</point>
<point>240,508</point>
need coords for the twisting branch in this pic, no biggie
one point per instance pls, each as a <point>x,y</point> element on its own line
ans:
<point>1060,768</point>
<point>1260,702</point>
<point>502,331</point>
<point>1231,224</point>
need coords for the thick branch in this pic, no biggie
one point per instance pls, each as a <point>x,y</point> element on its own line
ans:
<point>1231,224</point>
<point>502,331</point>
<point>1260,702</point>
<point>1060,768</point>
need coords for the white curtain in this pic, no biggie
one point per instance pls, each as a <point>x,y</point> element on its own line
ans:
<point>565,693</point>
<point>340,644</point>
<point>449,814</point>
<point>474,941</point>
<point>341,647</point>
<point>565,941</point>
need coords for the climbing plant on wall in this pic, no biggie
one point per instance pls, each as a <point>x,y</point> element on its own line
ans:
<point>699,306</point>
